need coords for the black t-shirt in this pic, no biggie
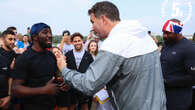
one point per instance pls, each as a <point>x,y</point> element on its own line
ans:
<point>178,64</point>
<point>36,69</point>
<point>5,61</point>
<point>10,55</point>
<point>4,75</point>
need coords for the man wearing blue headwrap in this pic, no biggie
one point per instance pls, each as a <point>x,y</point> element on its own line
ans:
<point>34,71</point>
<point>178,66</point>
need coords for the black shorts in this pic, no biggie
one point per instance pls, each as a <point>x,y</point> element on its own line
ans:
<point>65,99</point>
<point>37,107</point>
<point>82,98</point>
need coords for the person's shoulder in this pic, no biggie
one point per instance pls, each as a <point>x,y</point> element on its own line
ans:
<point>188,46</point>
<point>188,42</point>
<point>13,52</point>
<point>69,52</point>
<point>87,53</point>
<point>50,54</point>
<point>27,54</point>
<point>193,43</point>
<point>1,50</point>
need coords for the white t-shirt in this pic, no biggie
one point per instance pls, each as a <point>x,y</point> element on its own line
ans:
<point>67,48</point>
<point>78,57</point>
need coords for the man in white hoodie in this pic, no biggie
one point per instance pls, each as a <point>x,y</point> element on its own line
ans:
<point>127,63</point>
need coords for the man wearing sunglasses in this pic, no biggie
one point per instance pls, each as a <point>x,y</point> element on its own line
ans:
<point>7,55</point>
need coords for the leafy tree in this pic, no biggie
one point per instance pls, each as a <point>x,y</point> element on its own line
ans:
<point>160,38</point>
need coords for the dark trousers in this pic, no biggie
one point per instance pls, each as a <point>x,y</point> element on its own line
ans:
<point>178,98</point>
<point>192,107</point>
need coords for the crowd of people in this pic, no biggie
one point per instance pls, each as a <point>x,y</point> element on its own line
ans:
<point>119,67</point>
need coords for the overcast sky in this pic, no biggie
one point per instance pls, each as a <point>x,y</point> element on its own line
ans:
<point>72,14</point>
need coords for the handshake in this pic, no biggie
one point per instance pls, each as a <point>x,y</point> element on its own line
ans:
<point>55,85</point>
<point>61,84</point>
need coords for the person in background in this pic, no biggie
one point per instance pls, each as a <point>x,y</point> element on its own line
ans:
<point>92,36</point>
<point>26,41</point>
<point>65,44</point>
<point>28,31</point>
<point>178,66</point>
<point>96,104</point>
<point>20,39</point>
<point>93,48</point>
<point>20,43</point>
<point>160,45</point>
<point>63,97</point>
<point>192,107</point>
<point>78,59</point>
<point>13,29</point>
<point>7,56</point>
<point>153,37</point>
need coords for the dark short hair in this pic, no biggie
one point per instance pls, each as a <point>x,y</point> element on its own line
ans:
<point>7,32</point>
<point>105,8</point>
<point>51,49</point>
<point>66,31</point>
<point>26,35</point>
<point>76,34</point>
<point>11,28</point>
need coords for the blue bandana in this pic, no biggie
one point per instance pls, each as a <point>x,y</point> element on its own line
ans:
<point>36,28</point>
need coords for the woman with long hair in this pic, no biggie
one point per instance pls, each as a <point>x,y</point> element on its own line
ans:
<point>92,48</point>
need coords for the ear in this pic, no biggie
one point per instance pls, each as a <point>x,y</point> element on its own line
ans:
<point>104,18</point>
<point>34,37</point>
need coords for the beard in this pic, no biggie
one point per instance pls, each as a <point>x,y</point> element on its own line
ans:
<point>170,41</point>
<point>43,43</point>
<point>78,48</point>
<point>10,47</point>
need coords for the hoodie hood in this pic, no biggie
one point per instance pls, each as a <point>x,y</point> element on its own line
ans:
<point>129,39</point>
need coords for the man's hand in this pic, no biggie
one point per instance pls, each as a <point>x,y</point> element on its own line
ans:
<point>5,102</point>
<point>64,38</point>
<point>50,88</point>
<point>64,87</point>
<point>61,61</point>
